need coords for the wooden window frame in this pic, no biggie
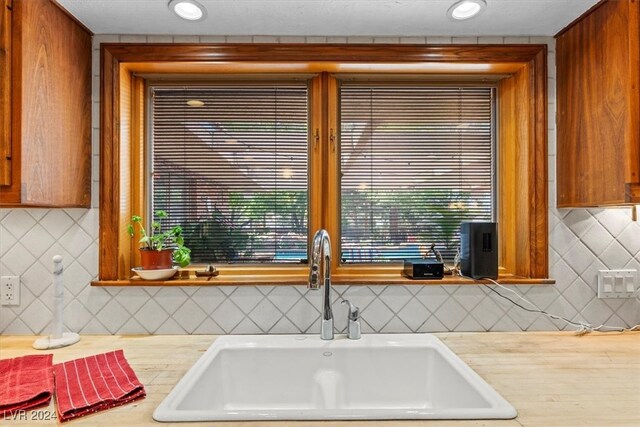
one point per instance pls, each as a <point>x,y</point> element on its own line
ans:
<point>522,148</point>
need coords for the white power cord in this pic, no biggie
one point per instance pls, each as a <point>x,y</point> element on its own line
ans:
<point>583,327</point>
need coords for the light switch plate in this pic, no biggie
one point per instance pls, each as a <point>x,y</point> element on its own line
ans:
<point>617,283</point>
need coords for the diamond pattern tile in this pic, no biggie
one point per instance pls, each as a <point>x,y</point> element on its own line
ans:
<point>56,222</point>
<point>113,316</point>
<point>582,241</point>
<point>209,327</point>
<point>597,312</point>
<point>284,297</point>
<point>579,257</point>
<point>579,221</point>
<point>76,316</point>
<point>579,294</point>
<point>75,241</point>
<point>451,314</point>
<point>469,296</point>
<point>189,316</point>
<point>170,327</point>
<point>227,315</point>
<point>614,220</point>
<point>37,278</point>
<point>75,278</point>
<point>432,297</point>
<point>246,326</point>
<point>487,312</point>
<point>18,259</point>
<point>303,314</point>
<point>265,315</point>
<point>413,314</point>
<point>36,316</point>
<point>597,239</point>
<point>6,240</point>
<point>170,299</point>
<point>208,298</point>
<point>151,316</point>
<point>247,297</point>
<point>377,314</point>
<point>433,325</point>
<point>395,326</point>
<point>630,238</point>
<point>18,222</point>
<point>395,297</point>
<point>614,256</point>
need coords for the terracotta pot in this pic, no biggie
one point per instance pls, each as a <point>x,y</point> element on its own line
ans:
<point>156,260</point>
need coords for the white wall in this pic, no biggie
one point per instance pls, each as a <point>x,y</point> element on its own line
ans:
<point>581,242</point>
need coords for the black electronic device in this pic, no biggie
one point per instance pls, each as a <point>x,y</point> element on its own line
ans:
<point>423,269</point>
<point>479,250</point>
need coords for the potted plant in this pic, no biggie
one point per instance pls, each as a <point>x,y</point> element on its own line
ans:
<point>160,249</point>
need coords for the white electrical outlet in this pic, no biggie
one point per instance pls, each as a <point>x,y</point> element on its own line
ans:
<point>617,283</point>
<point>10,290</point>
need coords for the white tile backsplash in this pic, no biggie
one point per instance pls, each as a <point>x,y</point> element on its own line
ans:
<point>581,242</point>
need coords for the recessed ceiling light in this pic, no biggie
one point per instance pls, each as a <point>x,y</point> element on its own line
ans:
<point>195,103</point>
<point>466,9</point>
<point>190,10</point>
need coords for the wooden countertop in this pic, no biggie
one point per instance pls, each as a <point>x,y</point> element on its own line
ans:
<point>551,378</point>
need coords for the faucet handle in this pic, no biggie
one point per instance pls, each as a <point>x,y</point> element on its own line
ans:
<point>354,312</point>
<point>353,329</point>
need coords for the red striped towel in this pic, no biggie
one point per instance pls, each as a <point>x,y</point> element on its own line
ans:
<point>25,382</point>
<point>95,383</point>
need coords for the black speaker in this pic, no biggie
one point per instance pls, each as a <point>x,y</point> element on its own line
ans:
<point>479,250</point>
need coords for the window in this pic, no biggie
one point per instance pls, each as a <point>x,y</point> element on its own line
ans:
<point>415,161</point>
<point>229,164</point>
<point>496,111</point>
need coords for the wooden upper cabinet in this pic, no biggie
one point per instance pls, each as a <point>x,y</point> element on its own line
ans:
<point>598,75</point>
<point>45,91</point>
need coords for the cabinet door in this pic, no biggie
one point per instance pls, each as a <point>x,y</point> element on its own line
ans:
<point>50,108</point>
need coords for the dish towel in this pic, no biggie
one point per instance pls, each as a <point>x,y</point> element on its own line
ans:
<point>25,382</point>
<point>95,383</point>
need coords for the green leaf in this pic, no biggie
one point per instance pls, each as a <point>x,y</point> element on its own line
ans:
<point>130,230</point>
<point>162,214</point>
<point>136,218</point>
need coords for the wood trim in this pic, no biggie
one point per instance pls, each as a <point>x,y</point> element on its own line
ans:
<point>342,53</point>
<point>538,187</point>
<point>331,202</point>
<point>632,172</point>
<point>109,166</point>
<point>301,279</point>
<point>316,157</point>
<point>530,234</point>
<point>11,193</point>
<point>138,158</point>
<point>315,67</point>
<point>5,94</point>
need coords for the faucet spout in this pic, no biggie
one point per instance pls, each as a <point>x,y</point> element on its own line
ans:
<point>321,256</point>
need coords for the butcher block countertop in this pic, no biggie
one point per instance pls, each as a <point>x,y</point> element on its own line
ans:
<point>551,378</point>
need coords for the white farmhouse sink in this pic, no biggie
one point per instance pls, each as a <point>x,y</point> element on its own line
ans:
<point>301,377</point>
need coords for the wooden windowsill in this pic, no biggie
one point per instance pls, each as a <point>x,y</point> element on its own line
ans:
<point>297,279</point>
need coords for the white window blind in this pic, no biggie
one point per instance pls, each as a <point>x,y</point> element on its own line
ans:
<point>231,169</point>
<point>415,162</point>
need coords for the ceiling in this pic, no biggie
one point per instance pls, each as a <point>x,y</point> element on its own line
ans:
<point>328,17</point>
